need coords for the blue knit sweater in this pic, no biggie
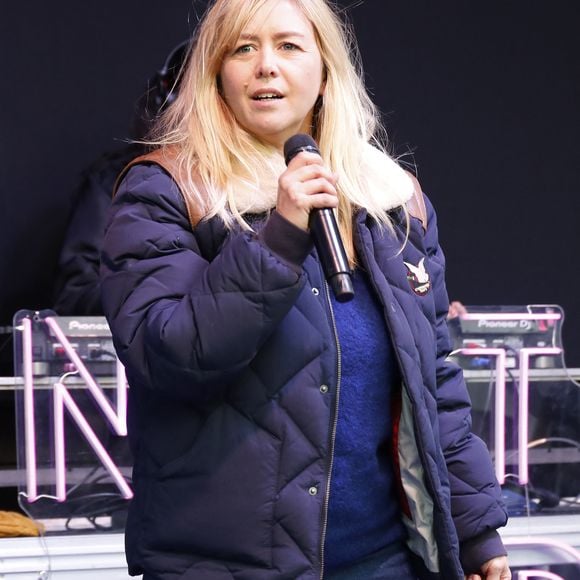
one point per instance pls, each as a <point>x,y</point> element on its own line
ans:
<point>364,514</point>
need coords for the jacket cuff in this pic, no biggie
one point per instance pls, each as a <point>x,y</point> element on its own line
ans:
<point>286,240</point>
<point>477,551</point>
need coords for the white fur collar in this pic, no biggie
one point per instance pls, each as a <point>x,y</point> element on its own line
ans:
<point>388,185</point>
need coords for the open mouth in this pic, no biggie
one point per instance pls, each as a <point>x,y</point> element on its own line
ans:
<point>267,97</point>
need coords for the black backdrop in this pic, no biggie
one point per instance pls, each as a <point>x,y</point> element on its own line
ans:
<point>485,94</point>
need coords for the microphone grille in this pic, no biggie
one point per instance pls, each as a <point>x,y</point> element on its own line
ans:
<point>298,143</point>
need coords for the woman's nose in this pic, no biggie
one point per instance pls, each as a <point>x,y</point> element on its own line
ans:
<point>266,65</point>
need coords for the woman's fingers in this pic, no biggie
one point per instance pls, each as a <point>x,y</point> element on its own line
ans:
<point>305,185</point>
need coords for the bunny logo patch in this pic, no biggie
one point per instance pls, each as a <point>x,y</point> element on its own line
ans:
<point>418,277</point>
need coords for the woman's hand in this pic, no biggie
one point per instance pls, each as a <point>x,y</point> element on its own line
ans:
<point>456,309</point>
<point>306,184</point>
<point>494,569</point>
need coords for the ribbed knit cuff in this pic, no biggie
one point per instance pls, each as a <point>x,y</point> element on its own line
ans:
<point>477,551</point>
<point>287,241</point>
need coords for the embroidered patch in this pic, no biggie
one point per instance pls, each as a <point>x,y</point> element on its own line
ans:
<point>418,277</point>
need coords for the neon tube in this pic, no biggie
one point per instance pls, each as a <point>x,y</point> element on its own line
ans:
<point>62,398</point>
<point>117,419</point>
<point>509,316</point>
<point>499,404</point>
<point>29,425</point>
<point>524,404</point>
<point>528,574</point>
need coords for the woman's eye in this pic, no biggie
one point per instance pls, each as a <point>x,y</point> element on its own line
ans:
<point>244,49</point>
<point>289,46</point>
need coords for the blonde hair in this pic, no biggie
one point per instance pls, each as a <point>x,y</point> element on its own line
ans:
<point>219,158</point>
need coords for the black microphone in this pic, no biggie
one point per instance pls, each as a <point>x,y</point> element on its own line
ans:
<point>324,228</point>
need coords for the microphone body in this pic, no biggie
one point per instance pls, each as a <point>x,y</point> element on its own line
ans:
<point>325,232</point>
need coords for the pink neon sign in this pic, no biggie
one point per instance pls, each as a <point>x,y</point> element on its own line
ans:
<point>566,554</point>
<point>63,400</point>
<point>511,316</point>
<point>29,423</point>
<point>524,355</point>
<point>499,406</point>
<point>523,406</point>
<point>529,574</point>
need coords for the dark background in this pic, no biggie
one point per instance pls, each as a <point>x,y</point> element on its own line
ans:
<point>484,94</point>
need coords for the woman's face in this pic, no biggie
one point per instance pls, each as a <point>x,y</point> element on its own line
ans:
<point>272,77</point>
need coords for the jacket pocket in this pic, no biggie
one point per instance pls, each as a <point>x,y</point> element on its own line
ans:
<point>217,501</point>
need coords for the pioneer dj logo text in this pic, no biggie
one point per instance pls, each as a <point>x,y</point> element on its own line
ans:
<point>506,324</point>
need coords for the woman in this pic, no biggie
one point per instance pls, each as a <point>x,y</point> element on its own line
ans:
<point>278,433</point>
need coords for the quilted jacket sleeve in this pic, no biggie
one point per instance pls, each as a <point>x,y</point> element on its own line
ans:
<point>476,502</point>
<point>180,322</point>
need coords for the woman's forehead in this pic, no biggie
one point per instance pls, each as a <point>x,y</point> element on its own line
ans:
<point>282,12</point>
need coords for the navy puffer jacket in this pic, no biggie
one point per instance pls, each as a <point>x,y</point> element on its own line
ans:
<point>231,354</point>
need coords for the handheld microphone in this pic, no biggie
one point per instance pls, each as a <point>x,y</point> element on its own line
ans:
<point>324,228</point>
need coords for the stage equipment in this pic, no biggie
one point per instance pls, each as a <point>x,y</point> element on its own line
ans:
<point>525,404</point>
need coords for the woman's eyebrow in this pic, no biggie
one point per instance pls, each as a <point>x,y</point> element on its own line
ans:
<point>276,36</point>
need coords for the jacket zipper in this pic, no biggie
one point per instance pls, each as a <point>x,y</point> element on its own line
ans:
<point>333,431</point>
<point>427,472</point>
